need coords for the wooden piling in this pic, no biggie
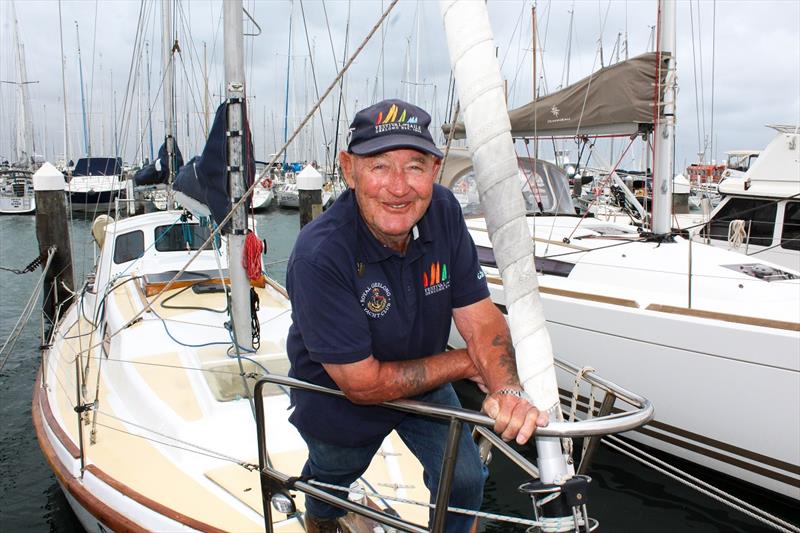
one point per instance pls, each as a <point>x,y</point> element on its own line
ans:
<point>309,190</point>
<point>52,229</point>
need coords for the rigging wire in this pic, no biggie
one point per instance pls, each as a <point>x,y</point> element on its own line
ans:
<point>314,76</point>
<point>700,150</point>
<point>713,66</point>
<point>702,84</point>
<point>715,493</point>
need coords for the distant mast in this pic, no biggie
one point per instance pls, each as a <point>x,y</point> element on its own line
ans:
<point>87,142</point>
<point>664,138</point>
<point>286,101</point>
<point>64,89</point>
<point>24,142</point>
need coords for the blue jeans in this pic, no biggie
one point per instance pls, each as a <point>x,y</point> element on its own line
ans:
<point>426,438</point>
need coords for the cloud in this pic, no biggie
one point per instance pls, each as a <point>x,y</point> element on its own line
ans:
<point>756,63</point>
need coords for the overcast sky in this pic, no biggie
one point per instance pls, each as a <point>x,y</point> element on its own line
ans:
<point>747,50</point>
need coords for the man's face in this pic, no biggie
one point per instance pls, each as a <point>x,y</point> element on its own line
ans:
<point>393,189</point>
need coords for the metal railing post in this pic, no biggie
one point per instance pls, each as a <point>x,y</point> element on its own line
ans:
<point>446,476</point>
<point>591,448</point>
<point>263,456</point>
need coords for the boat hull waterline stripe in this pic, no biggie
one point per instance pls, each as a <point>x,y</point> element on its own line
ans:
<point>672,432</point>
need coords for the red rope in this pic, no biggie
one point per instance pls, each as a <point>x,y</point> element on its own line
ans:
<point>251,257</point>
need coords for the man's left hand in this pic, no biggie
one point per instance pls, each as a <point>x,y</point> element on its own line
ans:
<point>514,417</point>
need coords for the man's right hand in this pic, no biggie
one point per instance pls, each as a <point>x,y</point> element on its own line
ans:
<point>514,417</point>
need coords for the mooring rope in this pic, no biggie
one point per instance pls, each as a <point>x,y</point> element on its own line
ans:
<point>8,346</point>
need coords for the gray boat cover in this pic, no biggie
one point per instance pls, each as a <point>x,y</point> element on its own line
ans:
<point>615,100</point>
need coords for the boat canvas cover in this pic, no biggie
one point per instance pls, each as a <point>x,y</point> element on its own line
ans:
<point>204,178</point>
<point>158,171</point>
<point>616,100</point>
<point>98,166</point>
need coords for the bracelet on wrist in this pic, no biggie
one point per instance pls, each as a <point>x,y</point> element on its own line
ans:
<point>518,393</point>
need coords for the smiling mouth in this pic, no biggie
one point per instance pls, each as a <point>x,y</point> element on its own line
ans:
<point>398,206</point>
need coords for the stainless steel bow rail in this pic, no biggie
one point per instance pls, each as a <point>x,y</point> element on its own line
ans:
<point>566,502</point>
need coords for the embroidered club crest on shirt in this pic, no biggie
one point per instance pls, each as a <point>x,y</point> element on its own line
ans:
<point>376,300</point>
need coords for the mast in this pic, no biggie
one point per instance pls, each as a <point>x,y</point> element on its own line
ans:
<point>169,95</point>
<point>149,105</point>
<point>341,90</point>
<point>234,82</point>
<point>140,132</point>
<point>87,142</point>
<point>286,101</point>
<point>64,88</point>
<point>205,91</point>
<point>534,37</point>
<point>24,139</point>
<point>664,138</point>
<point>416,60</point>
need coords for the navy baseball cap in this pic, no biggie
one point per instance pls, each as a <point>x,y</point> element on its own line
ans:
<point>390,125</point>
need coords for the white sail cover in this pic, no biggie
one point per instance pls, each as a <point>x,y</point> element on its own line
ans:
<point>480,90</point>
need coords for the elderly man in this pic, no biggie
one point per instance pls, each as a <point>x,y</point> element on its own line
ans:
<point>374,283</point>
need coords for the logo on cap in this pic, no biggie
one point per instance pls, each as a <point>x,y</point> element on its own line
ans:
<point>391,122</point>
<point>391,116</point>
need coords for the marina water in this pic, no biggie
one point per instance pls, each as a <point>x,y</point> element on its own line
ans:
<point>625,495</point>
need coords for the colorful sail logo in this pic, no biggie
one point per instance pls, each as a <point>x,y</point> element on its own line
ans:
<point>391,117</point>
<point>435,279</point>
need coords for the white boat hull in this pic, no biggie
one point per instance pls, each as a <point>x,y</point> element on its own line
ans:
<point>262,198</point>
<point>175,446</point>
<point>723,373</point>
<point>17,206</point>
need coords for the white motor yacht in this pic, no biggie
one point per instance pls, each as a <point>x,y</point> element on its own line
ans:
<point>759,213</point>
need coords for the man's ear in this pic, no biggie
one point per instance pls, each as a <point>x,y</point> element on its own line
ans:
<point>437,164</point>
<point>347,161</point>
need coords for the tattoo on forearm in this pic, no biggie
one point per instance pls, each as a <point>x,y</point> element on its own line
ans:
<point>412,376</point>
<point>507,358</point>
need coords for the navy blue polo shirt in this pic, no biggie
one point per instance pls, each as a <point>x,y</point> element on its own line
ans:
<point>352,297</point>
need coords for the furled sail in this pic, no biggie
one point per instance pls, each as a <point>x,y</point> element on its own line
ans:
<point>158,171</point>
<point>616,100</point>
<point>202,183</point>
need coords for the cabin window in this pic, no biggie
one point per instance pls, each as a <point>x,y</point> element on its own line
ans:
<point>791,226</point>
<point>759,217</point>
<point>180,237</point>
<point>128,246</point>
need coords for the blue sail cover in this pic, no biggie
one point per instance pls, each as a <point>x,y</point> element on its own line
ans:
<point>98,166</point>
<point>205,178</point>
<point>158,171</point>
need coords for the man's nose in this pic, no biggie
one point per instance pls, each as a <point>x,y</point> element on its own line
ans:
<point>398,182</point>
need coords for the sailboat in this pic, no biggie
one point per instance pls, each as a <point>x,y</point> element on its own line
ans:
<point>96,183</point>
<point>263,194</point>
<point>16,178</point>
<point>143,404</point>
<point>16,190</point>
<point>710,336</point>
